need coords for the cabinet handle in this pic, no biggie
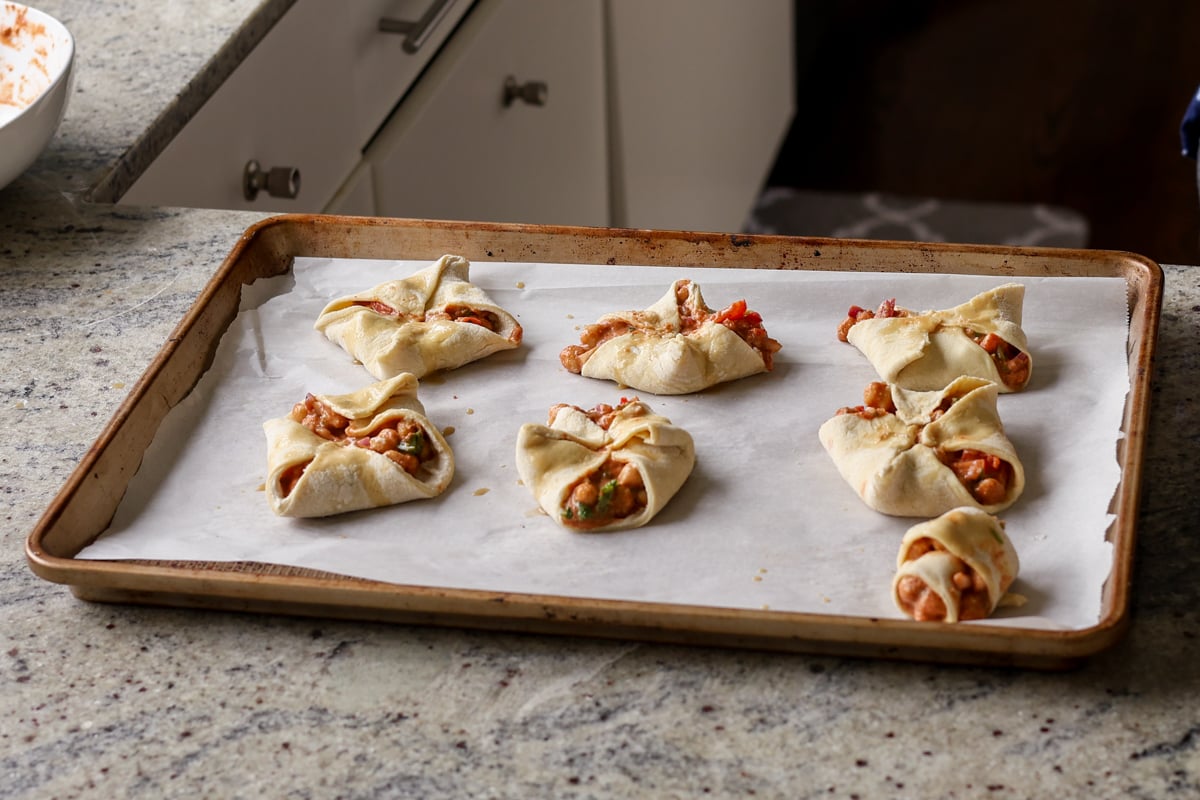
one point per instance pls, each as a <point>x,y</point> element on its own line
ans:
<point>535,93</point>
<point>278,181</point>
<point>415,33</point>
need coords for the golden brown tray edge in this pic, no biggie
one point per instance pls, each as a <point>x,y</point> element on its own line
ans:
<point>81,510</point>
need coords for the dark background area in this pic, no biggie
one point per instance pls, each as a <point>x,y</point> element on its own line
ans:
<point>1069,103</point>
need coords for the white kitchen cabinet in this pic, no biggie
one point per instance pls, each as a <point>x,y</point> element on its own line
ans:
<point>308,97</point>
<point>456,149</point>
<point>356,197</point>
<point>656,114</point>
<point>702,93</point>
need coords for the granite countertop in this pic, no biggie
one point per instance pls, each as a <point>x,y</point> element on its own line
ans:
<point>116,701</point>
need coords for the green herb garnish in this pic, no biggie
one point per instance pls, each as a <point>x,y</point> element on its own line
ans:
<point>606,495</point>
<point>413,445</point>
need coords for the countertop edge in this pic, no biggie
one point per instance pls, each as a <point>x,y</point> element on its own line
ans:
<point>171,120</point>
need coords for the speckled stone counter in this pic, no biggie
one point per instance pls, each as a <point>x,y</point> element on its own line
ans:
<point>114,701</point>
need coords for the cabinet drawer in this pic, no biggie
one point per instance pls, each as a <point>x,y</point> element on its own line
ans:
<point>455,149</point>
<point>309,97</point>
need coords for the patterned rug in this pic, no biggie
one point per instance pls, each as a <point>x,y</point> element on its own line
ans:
<point>874,215</point>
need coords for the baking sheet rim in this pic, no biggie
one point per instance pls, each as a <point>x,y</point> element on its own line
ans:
<point>142,582</point>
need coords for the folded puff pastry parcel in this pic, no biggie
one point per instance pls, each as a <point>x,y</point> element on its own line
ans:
<point>677,346</point>
<point>432,320</point>
<point>920,454</point>
<point>606,469</point>
<point>955,567</point>
<point>926,350</point>
<point>337,453</point>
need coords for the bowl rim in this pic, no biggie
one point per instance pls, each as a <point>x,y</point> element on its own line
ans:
<point>67,64</point>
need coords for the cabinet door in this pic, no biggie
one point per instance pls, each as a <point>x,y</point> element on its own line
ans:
<point>456,150</point>
<point>356,197</point>
<point>309,96</point>
<point>702,97</point>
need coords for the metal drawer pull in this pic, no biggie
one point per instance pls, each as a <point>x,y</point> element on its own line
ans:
<point>535,93</point>
<point>416,33</point>
<point>278,181</point>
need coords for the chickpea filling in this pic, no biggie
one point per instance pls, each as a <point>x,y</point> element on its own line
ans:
<point>602,413</point>
<point>468,315</point>
<point>925,605</point>
<point>404,443</point>
<point>453,312</point>
<point>986,476</point>
<point>747,324</point>
<point>877,401</point>
<point>573,356</point>
<point>1011,363</point>
<point>614,491</point>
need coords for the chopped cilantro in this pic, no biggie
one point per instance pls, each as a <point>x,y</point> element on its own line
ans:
<point>413,444</point>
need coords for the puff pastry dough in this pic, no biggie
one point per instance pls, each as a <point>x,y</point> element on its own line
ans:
<point>926,350</point>
<point>606,469</point>
<point>955,567</point>
<point>920,454</point>
<point>677,346</point>
<point>337,453</point>
<point>432,320</point>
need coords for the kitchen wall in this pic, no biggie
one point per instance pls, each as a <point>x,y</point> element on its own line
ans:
<point>1075,103</point>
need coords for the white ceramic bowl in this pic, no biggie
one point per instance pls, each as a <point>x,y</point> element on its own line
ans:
<point>36,57</point>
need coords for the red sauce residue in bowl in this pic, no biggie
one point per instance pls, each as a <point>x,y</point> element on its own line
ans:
<point>16,89</point>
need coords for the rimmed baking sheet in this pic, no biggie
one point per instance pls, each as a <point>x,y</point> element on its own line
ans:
<point>790,575</point>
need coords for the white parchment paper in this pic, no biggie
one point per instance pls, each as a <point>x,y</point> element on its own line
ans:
<point>765,521</point>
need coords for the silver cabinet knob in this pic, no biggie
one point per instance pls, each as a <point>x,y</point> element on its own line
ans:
<point>278,181</point>
<point>535,93</point>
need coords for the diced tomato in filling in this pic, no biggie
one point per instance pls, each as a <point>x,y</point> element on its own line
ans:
<point>613,492</point>
<point>602,413</point>
<point>473,316</point>
<point>378,307</point>
<point>1011,363</point>
<point>986,476</point>
<point>749,326</point>
<point>454,312</point>
<point>737,317</point>
<point>856,314</point>
<point>403,442</point>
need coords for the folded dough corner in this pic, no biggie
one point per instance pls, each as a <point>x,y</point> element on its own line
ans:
<point>964,558</point>
<point>928,349</point>
<point>435,319</point>
<point>314,470</point>
<point>903,462</point>
<point>676,346</point>
<point>577,453</point>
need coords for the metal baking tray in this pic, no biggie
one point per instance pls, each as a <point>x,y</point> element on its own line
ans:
<point>87,502</point>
